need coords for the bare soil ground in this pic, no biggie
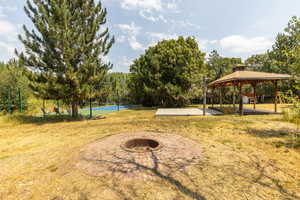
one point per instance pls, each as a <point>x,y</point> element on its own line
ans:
<point>250,157</point>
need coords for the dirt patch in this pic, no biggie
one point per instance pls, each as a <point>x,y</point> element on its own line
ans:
<point>107,157</point>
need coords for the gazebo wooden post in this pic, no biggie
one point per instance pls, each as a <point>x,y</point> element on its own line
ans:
<point>254,90</point>
<point>241,109</point>
<point>276,95</point>
<point>233,98</point>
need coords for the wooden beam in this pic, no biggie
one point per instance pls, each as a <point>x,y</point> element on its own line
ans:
<point>241,109</point>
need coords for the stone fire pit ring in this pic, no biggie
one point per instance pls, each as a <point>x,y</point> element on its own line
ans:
<point>142,145</point>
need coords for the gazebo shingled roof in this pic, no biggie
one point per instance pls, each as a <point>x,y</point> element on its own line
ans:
<point>248,77</point>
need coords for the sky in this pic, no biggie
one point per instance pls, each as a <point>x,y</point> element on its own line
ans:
<point>235,28</point>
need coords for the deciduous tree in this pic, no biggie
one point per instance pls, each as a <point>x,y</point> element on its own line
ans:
<point>167,72</point>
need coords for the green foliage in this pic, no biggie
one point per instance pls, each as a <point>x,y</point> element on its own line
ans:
<point>219,66</point>
<point>285,51</point>
<point>63,54</point>
<point>167,72</point>
<point>284,57</point>
<point>14,90</point>
<point>114,89</point>
<point>119,87</point>
<point>292,113</point>
<point>260,63</point>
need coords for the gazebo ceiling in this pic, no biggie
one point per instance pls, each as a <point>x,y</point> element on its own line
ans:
<point>248,77</point>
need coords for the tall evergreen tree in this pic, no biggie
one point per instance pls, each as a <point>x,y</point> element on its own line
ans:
<point>64,53</point>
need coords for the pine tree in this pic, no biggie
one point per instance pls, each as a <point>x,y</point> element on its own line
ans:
<point>64,52</point>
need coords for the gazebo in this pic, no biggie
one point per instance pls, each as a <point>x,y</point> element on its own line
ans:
<point>240,78</point>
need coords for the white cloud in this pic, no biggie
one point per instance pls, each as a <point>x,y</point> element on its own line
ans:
<point>8,31</point>
<point>203,43</point>
<point>123,64</point>
<point>131,31</point>
<point>150,17</point>
<point>156,37</point>
<point>142,4</point>
<point>8,39</point>
<point>242,44</point>
<point>162,36</point>
<point>7,27</point>
<point>151,10</point>
<point>7,48</point>
<point>135,45</point>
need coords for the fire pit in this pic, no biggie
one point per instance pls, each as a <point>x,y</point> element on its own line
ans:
<point>135,156</point>
<point>141,145</point>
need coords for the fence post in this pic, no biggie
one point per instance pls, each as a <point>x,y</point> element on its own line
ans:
<point>91,110</point>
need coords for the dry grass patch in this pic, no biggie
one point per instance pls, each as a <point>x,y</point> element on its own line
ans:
<point>241,159</point>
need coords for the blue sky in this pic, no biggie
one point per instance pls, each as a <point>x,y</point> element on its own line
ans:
<point>236,28</point>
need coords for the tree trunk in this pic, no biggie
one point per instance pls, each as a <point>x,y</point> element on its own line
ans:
<point>74,109</point>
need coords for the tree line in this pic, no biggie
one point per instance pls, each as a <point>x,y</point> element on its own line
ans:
<point>63,60</point>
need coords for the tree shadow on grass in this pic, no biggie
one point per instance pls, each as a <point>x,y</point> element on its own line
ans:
<point>269,133</point>
<point>291,138</point>
<point>40,120</point>
<point>264,177</point>
<point>142,108</point>
<point>292,143</point>
<point>154,171</point>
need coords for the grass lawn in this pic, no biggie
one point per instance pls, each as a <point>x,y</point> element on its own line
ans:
<point>250,157</point>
